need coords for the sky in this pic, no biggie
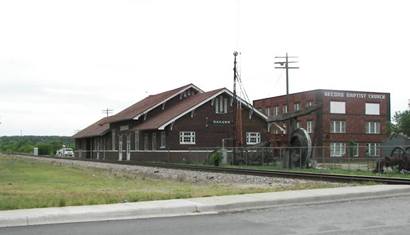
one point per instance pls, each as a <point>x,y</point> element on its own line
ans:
<point>63,62</point>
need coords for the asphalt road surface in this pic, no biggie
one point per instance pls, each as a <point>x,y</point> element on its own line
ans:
<point>379,216</point>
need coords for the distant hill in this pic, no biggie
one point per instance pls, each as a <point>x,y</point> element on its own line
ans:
<point>47,145</point>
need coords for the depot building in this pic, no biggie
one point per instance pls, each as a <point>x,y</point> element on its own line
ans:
<point>345,120</point>
<point>171,125</point>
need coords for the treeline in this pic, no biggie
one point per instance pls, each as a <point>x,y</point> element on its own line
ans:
<point>47,145</point>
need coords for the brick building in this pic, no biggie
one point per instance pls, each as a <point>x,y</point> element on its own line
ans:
<point>168,125</point>
<point>347,122</point>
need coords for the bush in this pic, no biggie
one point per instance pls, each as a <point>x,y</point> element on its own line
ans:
<point>215,158</point>
<point>44,149</point>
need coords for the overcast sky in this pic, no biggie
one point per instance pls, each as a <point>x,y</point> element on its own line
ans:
<point>62,62</point>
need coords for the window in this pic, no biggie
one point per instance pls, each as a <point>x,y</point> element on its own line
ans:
<point>298,124</point>
<point>187,137</point>
<point>372,109</point>
<point>276,110</point>
<point>285,109</point>
<point>373,128</point>
<point>221,104</point>
<point>268,112</point>
<point>163,139</point>
<point>373,149</point>
<point>253,138</point>
<point>296,107</point>
<point>113,139</point>
<point>338,127</point>
<point>309,126</point>
<point>354,150</point>
<point>146,141</point>
<point>337,149</point>
<point>337,107</point>
<point>137,140</point>
<point>154,141</point>
<point>309,104</point>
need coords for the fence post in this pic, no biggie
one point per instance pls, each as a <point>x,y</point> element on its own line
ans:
<point>322,153</point>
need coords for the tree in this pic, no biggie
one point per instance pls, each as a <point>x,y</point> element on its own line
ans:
<point>402,122</point>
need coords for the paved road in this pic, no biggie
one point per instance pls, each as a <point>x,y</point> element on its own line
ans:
<point>381,216</point>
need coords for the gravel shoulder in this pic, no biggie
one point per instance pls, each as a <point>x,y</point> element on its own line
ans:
<point>187,175</point>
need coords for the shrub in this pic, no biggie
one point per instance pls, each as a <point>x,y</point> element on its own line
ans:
<point>44,149</point>
<point>215,158</point>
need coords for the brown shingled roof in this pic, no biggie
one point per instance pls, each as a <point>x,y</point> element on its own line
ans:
<point>148,103</point>
<point>98,128</point>
<point>171,113</point>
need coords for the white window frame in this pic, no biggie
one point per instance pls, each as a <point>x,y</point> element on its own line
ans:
<point>276,110</point>
<point>285,109</point>
<point>372,109</point>
<point>296,107</point>
<point>309,126</point>
<point>337,149</point>
<point>253,138</point>
<point>267,112</point>
<point>373,149</point>
<point>338,107</point>
<point>221,105</point>
<point>373,127</point>
<point>337,126</point>
<point>355,148</point>
<point>187,137</point>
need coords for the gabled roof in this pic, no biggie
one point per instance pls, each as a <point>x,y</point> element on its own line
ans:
<point>150,103</point>
<point>98,128</point>
<point>172,114</point>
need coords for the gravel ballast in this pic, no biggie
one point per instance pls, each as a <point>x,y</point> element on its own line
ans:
<point>180,175</point>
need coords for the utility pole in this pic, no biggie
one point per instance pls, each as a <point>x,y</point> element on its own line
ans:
<point>234,108</point>
<point>284,64</point>
<point>107,111</point>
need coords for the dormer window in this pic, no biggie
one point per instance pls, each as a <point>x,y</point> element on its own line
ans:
<point>221,105</point>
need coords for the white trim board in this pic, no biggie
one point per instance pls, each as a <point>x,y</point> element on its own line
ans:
<point>224,90</point>
<point>164,101</point>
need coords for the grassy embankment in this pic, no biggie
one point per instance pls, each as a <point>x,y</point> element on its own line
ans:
<point>30,184</point>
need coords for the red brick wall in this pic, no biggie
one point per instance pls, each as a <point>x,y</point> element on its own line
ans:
<point>355,115</point>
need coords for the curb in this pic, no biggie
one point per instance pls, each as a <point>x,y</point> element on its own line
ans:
<point>195,206</point>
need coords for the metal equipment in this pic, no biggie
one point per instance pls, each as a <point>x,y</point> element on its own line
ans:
<point>300,148</point>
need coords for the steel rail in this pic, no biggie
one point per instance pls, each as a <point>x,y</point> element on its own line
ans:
<point>255,172</point>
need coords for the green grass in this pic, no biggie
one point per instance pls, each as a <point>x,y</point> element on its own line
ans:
<point>28,183</point>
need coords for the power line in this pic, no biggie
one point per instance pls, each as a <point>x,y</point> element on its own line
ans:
<point>283,63</point>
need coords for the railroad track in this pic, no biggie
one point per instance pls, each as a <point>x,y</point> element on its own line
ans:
<point>247,171</point>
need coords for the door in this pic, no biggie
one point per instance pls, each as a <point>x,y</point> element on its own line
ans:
<point>128,147</point>
<point>120,147</point>
<point>98,148</point>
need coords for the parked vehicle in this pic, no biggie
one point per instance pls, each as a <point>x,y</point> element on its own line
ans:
<point>65,152</point>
